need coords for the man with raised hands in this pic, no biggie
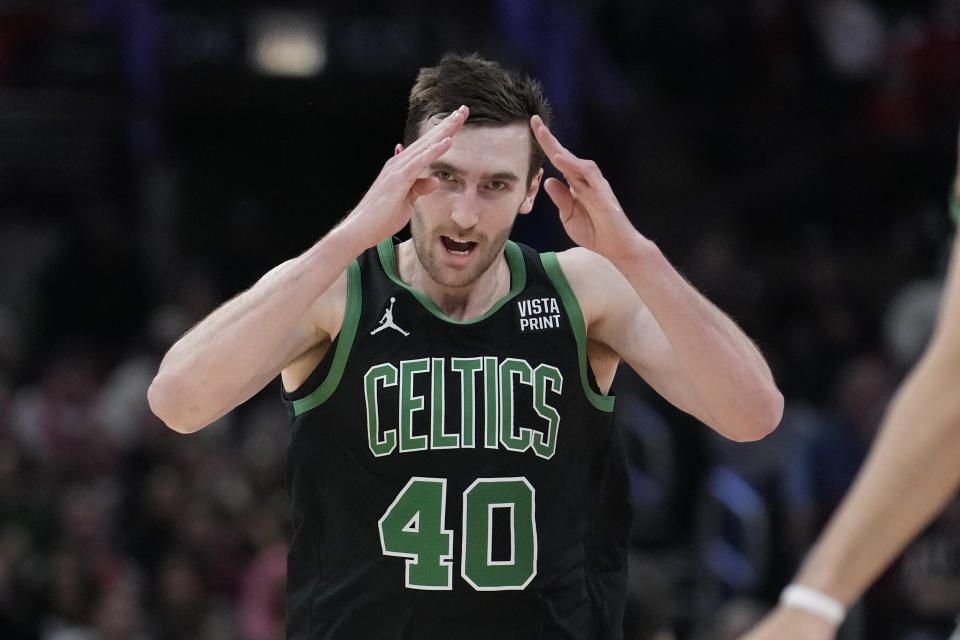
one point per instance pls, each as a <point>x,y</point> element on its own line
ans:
<point>453,468</point>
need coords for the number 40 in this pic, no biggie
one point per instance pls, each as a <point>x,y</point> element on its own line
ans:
<point>412,528</point>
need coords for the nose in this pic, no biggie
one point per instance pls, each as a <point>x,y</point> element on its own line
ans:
<point>466,210</point>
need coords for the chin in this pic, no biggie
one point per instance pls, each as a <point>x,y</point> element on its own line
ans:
<point>453,279</point>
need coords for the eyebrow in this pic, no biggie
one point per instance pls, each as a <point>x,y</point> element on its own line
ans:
<point>497,175</point>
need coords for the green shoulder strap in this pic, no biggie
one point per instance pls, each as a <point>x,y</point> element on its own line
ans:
<point>351,318</point>
<point>569,300</point>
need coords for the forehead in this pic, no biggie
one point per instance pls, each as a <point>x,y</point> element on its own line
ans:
<point>489,148</point>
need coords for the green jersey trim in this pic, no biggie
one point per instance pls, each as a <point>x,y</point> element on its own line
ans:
<point>518,280</point>
<point>569,300</point>
<point>351,318</point>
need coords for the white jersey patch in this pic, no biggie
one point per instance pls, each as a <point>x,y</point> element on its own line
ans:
<point>537,314</point>
<point>386,322</point>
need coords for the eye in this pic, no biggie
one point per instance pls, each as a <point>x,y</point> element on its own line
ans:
<point>497,185</point>
<point>443,176</point>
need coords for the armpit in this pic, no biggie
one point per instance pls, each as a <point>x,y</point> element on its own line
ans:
<point>297,372</point>
<point>603,362</point>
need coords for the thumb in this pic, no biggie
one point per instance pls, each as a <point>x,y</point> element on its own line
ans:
<point>422,186</point>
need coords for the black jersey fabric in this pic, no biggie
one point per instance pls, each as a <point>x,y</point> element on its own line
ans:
<point>456,479</point>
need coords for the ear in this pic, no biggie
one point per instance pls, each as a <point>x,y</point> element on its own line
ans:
<point>528,199</point>
<point>397,149</point>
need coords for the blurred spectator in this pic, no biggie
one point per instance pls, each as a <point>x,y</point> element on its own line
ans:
<point>181,598</point>
<point>733,619</point>
<point>121,405</point>
<point>853,36</point>
<point>910,318</point>
<point>119,613</point>
<point>651,603</point>
<point>921,597</point>
<point>822,468</point>
<point>264,592</point>
<point>71,592</point>
<point>55,420</point>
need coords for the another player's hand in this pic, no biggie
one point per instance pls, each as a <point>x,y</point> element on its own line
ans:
<point>388,204</point>
<point>792,624</point>
<point>589,211</point>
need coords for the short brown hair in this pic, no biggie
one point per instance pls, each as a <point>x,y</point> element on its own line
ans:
<point>495,96</point>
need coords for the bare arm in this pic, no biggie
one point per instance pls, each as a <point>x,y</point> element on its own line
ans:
<point>241,346</point>
<point>686,348</point>
<point>236,350</point>
<point>911,472</point>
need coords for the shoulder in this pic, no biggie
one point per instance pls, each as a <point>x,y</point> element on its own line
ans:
<point>579,264</point>
<point>591,276</point>
<point>600,289</point>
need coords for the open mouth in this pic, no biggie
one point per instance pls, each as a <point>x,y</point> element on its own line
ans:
<point>456,247</point>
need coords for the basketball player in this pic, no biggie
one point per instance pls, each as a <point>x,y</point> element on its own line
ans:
<point>913,469</point>
<point>452,468</point>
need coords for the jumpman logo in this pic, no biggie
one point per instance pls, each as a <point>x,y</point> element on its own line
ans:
<point>387,320</point>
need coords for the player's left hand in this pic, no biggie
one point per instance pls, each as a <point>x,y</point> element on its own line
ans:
<point>589,211</point>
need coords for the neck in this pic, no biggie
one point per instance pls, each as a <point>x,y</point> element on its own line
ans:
<point>457,303</point>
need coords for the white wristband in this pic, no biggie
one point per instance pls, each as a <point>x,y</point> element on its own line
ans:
<point>816,602</point>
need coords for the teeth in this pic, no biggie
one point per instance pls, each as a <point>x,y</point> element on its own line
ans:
<point>455,240</point>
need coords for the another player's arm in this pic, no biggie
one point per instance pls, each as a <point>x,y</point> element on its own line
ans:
<point>909,475</point>
<point>295,308</point>
<point>686,348</point>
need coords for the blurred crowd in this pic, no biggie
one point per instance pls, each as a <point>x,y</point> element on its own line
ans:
<point>791,157</point>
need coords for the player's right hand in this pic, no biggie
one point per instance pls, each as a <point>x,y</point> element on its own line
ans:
<point>792,624</point>
<point>388,204</point>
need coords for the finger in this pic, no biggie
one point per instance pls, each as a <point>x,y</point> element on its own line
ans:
<point>451,123</point>
<point>423,186</point>
<point>420,187</point>
<point>421,158</point>
<point>544,136</point>
<point>431,145</point>
<point>562,158</point>
<point>448,126</point>
<point>561,196</point>
<point>548,142</point>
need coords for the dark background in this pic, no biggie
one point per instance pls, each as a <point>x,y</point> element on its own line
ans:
<point>792,158</point>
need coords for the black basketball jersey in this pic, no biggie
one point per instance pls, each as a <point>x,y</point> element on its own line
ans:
<point>456,479</point>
